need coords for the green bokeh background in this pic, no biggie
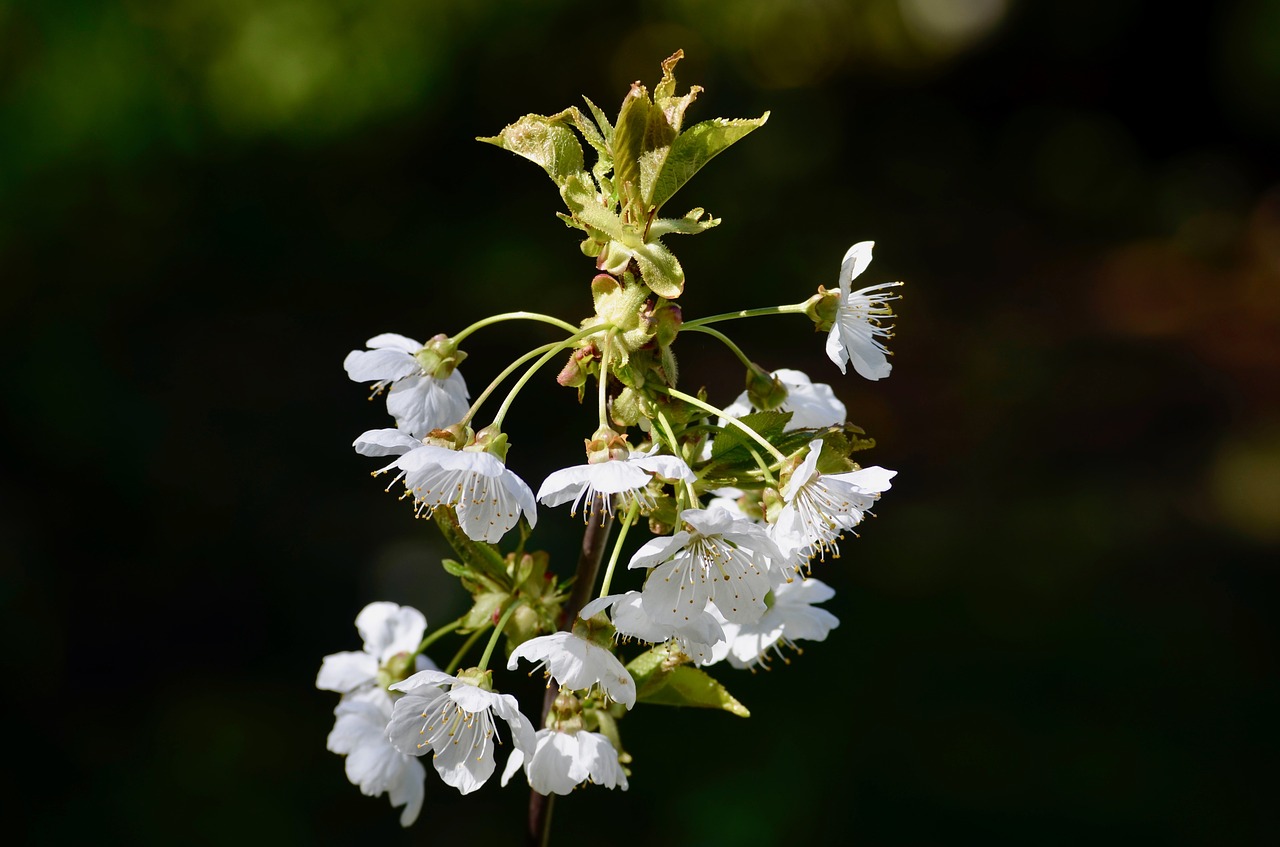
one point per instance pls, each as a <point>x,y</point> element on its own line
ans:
<point>1061,625</point>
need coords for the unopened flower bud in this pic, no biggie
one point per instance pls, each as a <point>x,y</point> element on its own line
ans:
<point>764,390</point>
<point>579,367</point>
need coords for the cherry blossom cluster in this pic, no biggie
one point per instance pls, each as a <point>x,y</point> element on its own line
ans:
<point>739,500</point>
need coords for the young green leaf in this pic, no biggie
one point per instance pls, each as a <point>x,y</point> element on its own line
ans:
<point>546,141</point>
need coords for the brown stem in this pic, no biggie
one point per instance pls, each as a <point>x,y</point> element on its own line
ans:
<point>594,540</point>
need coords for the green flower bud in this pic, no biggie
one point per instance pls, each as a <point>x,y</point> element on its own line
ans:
<point>764,390</point>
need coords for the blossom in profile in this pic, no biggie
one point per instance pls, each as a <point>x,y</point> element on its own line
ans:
<point>812,404</point>
<point>453,718</point>
<point>489,498</point>
<point>718,558</point>
<point>578,664</point>
<point>855,335</point>
<point>628,478</point>
<point>793,616</point>
<point>562,761</point>
<point>388,630</point>
<point>419,400</point>
<point>372,763</point>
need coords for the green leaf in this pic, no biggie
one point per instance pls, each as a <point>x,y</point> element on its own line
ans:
<point>546,141</point>
<point>691,224</point>
<point>602,121</point>
<point>664,93</point>
<point>651,668</point>
<point>768,424</point>
<point>690,686</point>
<point>628,136</point>
<point>690,151</point>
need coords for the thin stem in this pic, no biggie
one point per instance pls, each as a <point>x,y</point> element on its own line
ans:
<point>438,634</point>
<point>602,379</point>
<point>510,369</point>
<point>791,309</point>
<point>726,340</point>
<point>675,451</point>
<point>546,357</point>
<point>593,543</point>
<point>515,316</point>
<point>755,436</point>
<point>617,546</point>
<point>497,633</point>
<point>464,649</point>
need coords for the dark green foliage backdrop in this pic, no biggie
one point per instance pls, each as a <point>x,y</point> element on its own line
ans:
<point>1060,627</point>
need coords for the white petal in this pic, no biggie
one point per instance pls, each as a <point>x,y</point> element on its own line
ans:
<point>855,261</point>
<point>563,485</point>
<point>346,671</point>
<point>874,479</point>
<point>379,365</point>
<point>385,442</point>
<point>667,467</point>
<point>423,403</point>
<point>394,340</point>
<point>389,628</point>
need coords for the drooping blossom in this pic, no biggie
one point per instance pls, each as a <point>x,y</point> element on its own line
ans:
<point>419,401</point>
<point>489,498</point>
<point>562,761</point>
<point>453,719</point>
<point>387,629</point>
<point>372,763</point>
<point>792,617</point>
<point>701,637</point>
<point>577,664</point>
<point>719,558</point>
<point>819,508</point>
<point>600,481</point>
<point>812,404</point>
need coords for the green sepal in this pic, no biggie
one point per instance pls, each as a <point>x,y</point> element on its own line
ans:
<point>546,141</point>
<point>659,267</point>
<point>487,606</point>
<point>689,686</point>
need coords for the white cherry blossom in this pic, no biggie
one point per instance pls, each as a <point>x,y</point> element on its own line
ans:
<point>700,637</point>
<point>420,402</point>
<point>387,629</point>
<point>855,335</point>
<point>453,719</point>
<point>812,404</point>
<point>719,558</point>
<point>819,508</point>
<point>628,477</point>
<point>489,498</point>
<point>562,761</point>
<point>577,664</point>
<point>793,616</point>
<point>360,733</point>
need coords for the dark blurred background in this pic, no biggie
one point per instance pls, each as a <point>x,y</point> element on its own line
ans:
<point>1060,626</point>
